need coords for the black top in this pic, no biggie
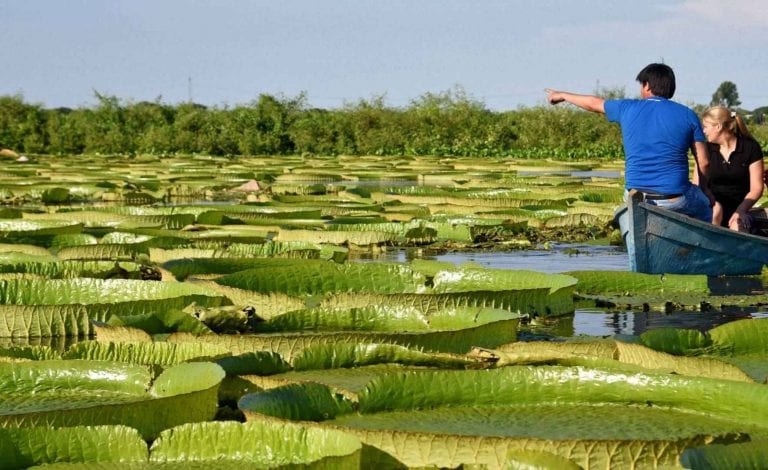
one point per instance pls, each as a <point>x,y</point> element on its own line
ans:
<point>729,180</point>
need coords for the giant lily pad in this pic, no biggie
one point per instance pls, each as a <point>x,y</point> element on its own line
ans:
<point>24,447</point>
<point>741,343</point>
<point>92,291</point>
<point>560,287</point>
<point>265,444</point>
<point>37,321</point>
<point>159,353</point>
<point>193,445</point>
<point>71,393</point>
<point>617,355</point>
<point>741,455</point>
<point>321,277</point>
<point>592,416</point>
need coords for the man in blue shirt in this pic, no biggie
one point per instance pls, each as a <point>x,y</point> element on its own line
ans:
<point>657,135</point>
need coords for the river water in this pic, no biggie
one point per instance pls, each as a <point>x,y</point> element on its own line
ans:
<point>586,320</point>
<point>557,258</point>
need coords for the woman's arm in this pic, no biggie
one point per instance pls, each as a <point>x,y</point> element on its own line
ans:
<point>740,218</point>
<point>756,171</point>
<point>717,214</point>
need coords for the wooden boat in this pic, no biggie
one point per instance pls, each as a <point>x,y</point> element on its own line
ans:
<point>661,241</point>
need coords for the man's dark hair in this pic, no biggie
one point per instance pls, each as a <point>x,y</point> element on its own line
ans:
<point>660,78</point>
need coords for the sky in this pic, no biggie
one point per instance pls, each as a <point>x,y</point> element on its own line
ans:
<point>58,53</point>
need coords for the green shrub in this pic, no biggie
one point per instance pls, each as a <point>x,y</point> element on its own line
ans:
<point>450,123</point>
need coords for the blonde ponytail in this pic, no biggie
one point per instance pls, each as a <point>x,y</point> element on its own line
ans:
<point>728,119</point>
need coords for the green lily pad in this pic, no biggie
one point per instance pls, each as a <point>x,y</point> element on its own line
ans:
<point>577,413</point>
<point>72,393</point>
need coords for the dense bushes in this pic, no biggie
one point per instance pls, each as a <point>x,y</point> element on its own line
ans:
<point>449,124</point>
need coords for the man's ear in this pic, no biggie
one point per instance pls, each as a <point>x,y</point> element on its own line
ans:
<point>645,90</point>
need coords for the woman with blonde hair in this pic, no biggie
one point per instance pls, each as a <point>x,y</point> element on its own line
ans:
<point>735,168</point>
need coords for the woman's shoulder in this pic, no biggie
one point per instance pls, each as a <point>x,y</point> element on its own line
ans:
<point>750,143</point>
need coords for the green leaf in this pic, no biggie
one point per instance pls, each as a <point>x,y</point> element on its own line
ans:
<point>115,238</point>
<point>56,196</point>
<point>746,455</point>
<point>13,249</point>
<point>563,384</point>
<point>674,340</point>
<point>45,376</point>
<point>10,213</point>
<point>323,277</point>
<point>158,353</point>
<point>348,382</point>
<point>52,267</point>
<point>559,298</point>
<point>35,321</point>
<point>742,337</point>
<point>291,345</point>
<point>518,459</point>
<point>520,301</point>
<point>593,417</point>
<point>72,239</point>
<point>25,447</point>
<point>261,363</point>
<point>183,378</point>
<point>224,319</point>
<point>306,402</point>
<point>338,355</point>
<point>102,252</point>
<point>614,355</point>
<point>161,321</point>
<point>92,291</point>
<point>467,278</point>
<point>72,393</point>
<point>337,237</point>
<point>120,334</point>
<point>137,311</point>
<point>166,221</point>
<point>39,232</point>
<point>382,318</point>
<point>691,366</point>
<point>187,266</point>
<point>264,444</point>
<point>626,283</point>
<point>33,353</point>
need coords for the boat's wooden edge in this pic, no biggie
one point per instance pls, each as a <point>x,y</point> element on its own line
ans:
<point>638,219</point>
<point>701,225</point>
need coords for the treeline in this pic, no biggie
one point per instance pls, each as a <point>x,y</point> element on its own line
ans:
<point>445,124</point>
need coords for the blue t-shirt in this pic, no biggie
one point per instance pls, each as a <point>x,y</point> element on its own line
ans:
<point>657,135</point>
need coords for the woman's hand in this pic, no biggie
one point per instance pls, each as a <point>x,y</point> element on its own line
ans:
<point>740,222</point>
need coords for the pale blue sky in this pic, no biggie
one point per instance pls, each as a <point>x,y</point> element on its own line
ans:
<point>504,53</point>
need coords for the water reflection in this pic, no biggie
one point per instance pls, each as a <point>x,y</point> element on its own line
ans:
<point>557,259</point>
<point>600,323</point>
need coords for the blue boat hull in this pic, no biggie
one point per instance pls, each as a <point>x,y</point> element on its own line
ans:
<point>661,241</point>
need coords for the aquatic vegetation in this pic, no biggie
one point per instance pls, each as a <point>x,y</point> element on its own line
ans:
<point>149,304</point>
<point>63,393</point>
<point>591,416</point>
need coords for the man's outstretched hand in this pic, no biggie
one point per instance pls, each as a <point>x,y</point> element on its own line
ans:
<point>554,96</point>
